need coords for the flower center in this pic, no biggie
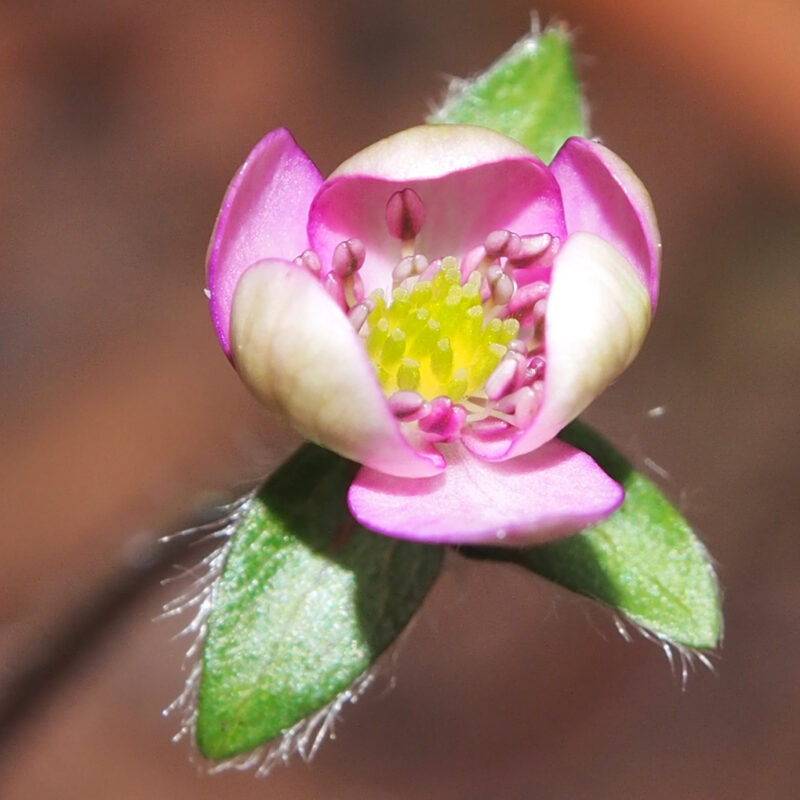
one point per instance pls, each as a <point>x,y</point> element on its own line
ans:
<point>435,337</point>
<point>454,343</point>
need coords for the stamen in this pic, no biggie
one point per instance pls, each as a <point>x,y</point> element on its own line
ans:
<point>528,402</point>
<point>408,406</point>
<point>501,379</point>
<point>358,314</point>
<point>525,298</point>
<point>489,426</point>
<point>311,261</point>
<point>500,244</point>
<point>531,248</point>
<point>444,422</point>
<point>521,406</point>
<point>503,288</point>
<point>343,281</point>
<point>535,369</point>
<point>332,284</point>
<point>353,289</point>
<point>409,267</point>
<point>348,257</point>
<point>405,215</point>
<point>539,313</point>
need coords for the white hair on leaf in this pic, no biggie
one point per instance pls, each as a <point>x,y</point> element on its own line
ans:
<point>305,737</point>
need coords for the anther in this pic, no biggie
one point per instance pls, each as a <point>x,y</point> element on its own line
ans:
<point>444,422</point>
<point>493,273</point>
<point>528,402</point>
<point>332,284</point>
<point>473,260</point>
<point>522,404</point>
<point>408,406</point>
<point>348,257</point>
<point>405,215</point>
<point>501,244</point>
<point>534,369</point>
<point>502,288</point>
<point>501,379</point>
<point>489,426</point>
<point>409,267</point>
<point>531,248</point>
<point>525,298</point>
<point>358,314</point>
<point>310,260</point>
<point>539,312</point>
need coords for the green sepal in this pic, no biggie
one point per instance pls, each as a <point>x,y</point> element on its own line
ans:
<point>531,94</point>
<point>643,560</point>
<point>307,600</point>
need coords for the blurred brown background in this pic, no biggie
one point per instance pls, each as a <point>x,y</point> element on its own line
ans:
<point>120,125</point>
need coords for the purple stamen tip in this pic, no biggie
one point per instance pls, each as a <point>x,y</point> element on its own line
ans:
<point>332,284</point>
<point>502,243</point>
<point>525,300</point>
<point>348,257</point>
<point>408,406</point>
<point>310,260</point>
<point>501,379</point>
<point>532,248</point>
<point>444,422</point>
<point>405,215</point>
<point>535,369</point>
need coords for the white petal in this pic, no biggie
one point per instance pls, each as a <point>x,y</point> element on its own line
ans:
<point>598,313</point>
<point>299,355</point>
<point>429,151</point>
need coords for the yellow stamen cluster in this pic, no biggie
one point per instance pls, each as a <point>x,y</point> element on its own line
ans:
<point>434,338</point>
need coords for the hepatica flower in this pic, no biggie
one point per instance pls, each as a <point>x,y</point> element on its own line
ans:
<point>438,310</point>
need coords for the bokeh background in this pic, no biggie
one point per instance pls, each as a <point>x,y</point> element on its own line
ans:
<point>120,126</point>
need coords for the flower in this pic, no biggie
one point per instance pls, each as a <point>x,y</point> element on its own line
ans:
<point>438,310</point>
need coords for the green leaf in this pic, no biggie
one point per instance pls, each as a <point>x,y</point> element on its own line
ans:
<point>307,600</point>
<point>643,560</point>
<point>531,94</point>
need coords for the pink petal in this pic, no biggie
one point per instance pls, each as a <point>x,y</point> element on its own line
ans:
<point>552,492</point>
<point>598,313</point>
<point>298,353</point>
<point>264,214</point>
<point>471,181</point>
<point>603,196</point>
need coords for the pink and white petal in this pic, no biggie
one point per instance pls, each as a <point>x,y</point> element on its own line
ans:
<point>550,493</point>
<point>430,151</point>
<point>602,195</point>
<point>598,313</point>
<point>471,180</point>
<point>298,353</point>
<point>263,215</point>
